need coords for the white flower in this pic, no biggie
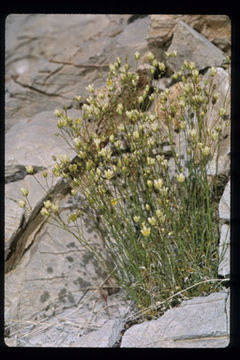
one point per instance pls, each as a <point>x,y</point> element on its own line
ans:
<point>160,215</point>
<point>206,150</point>
<point>152,220</point>
<point>136,218</point>
<point>22,203</point>
<point>109,174</point>
<point>64,158</point>
<point>47,204</point>
<point>158,183</point>
<point>24,191</point>
<point>213,71</point>
<point>135,135</point>
<point>214,135</point>
<point>192,133</point>
<point>119,109</point>
<point>58,113</point>
<point>77,142</point>
<point>78,98</point>
<point>55,208</point>
<point>145,230</point>
<point>97,142</point>
<point>137,55</point>
<point>149,183</point>
<point>222,112</point>
<point>152,117</point>
<point>150,161</point>
<point>180,178</point>
<point>29,169</point>
<point>90,88</point>
<point>111,138</point>
<point>150,56</point>
<point>45,212</point>
<point>162,66</point>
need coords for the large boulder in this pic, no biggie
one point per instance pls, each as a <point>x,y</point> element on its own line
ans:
<point>197,323</point>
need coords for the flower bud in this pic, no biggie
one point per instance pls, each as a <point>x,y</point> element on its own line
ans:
<point>29,169</point>
<point>137,55</point>
<point>180,178</point>
<point>205,151</point>
<point>55,208</point>
<point>22,203</point>
<point>222,112</point>
<point>77,142</point>
<point>47,204</point>
<point>136,218</point>
<point>45,212</point>
<point>24,192</point>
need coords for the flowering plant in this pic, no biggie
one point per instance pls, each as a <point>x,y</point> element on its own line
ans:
<point>160,230</point>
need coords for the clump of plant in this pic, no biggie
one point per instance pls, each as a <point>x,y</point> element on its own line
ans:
<point>160,231</point>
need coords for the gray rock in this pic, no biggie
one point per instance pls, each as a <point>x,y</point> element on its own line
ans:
<point>199,322</point>
<point>107,336</point>
<point>192,46</point>
<point>69,329</point>
<point>216,28</point>
<point>220,163</point>
<point>54,57</point>
<point>31,141</point>
<point>55,288</point>
<point>224,205</point>
<point>224,251</point>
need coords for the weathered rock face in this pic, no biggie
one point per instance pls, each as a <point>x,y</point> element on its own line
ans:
<point>56,294</point>
<point>216,28</point>
<point>192,46</point>
<point>199,322</point>
<point>58,277</point>
<point>56,63</point>
<point>31,141</point>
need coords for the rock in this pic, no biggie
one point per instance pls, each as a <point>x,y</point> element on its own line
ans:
<point>220,162</point>
<point>56,286</point>
<point>192,46</point>
<point>216,28</point>
<point>107,336</point>
<point>224,251</point>
<point>224,205</point>
<point>199,322</point>
<point>32,141</point>
<point>224,244</point>
<point>69,53</point>
<point>29,142</point>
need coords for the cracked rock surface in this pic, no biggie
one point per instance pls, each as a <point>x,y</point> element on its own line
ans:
<point>199,322</point>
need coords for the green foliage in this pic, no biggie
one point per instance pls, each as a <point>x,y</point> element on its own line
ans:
<point>160,231</point>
